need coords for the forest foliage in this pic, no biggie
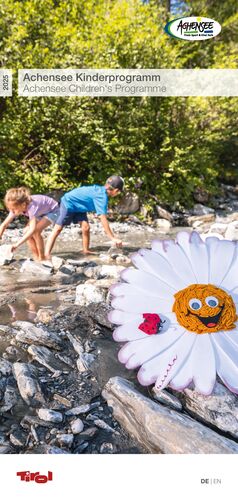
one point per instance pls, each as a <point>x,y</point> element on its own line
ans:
<point>168,146</point>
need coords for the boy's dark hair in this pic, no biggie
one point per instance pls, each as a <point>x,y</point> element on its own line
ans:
<point>116,182</point>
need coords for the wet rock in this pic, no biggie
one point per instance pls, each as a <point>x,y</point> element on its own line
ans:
<point>163,214</point>
<point>99,313</point>
<point>77,426</point>
<point>201,195</point>
<point>47,449</point>
<point>77,345</point>
<point>46,358</point>
<point>219,409</point>
<point>5,449</point>
<point>162,225</point>
<point>232,231</point>
<point>50,415</point>
<point>65,440</point>
<point>200,209</point>
<point>62,400</point>
<point>160,429</point>
<point>31,420</point>
<point>167,399</point>
<point>10,398</point>
<point>107,448</point>
<point>5,367</point>
<point>85,362</point>
<point>123,259</point>
<point>18,438</point>
<point>31,334</point>
<point>88,293</point>
<point>200,219</point>
<point>57,262</point>
<point>45,316</point>
<point>28,384</point>
<point>129,204</point>
<point>35,268</point>
<point>6,254</point>
<point>67,269</point>
<point>78,410</point>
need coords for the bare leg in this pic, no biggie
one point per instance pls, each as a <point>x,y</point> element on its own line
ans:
<point>51,240</point>
<point>40,226</point>
<point>31,244</point>
<point>86,237</point>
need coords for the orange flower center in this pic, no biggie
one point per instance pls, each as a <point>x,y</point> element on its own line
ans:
<point>205,309</point>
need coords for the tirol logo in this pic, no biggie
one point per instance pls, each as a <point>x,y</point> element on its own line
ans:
<point>28,476</point>
<point>193,28</point>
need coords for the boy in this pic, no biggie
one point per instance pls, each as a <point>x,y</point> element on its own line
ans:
<point>74,207</point>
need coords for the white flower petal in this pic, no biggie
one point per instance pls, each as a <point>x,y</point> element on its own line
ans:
<point>232,336</point>
<point>204,374</point>
<point>197,253</point>
<point>136,353</point>
<point>227,361</point>
<point>153,263</point>
<point>147,283</point>
<point>230,281</point>
<point>184,376</point>
<point>141,304</point>
<point>221,254</point>
<point>163,367</point>
<point>179,261</point>
<point>129,331</point>
<point>121,317</point>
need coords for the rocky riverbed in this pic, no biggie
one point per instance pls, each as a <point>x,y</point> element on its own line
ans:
<point>62,389</point>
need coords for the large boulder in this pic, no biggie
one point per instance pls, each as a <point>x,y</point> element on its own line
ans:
<point>129,204</point>
<point>158,428</point>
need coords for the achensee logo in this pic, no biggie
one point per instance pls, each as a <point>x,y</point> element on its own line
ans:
<point>193,28</point>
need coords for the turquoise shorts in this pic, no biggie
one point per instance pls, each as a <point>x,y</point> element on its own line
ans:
<point>51,216</point>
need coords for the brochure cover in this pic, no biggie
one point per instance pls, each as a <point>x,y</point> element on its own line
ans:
<point>118,248</point>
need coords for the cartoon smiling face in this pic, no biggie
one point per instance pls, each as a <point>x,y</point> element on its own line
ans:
<point>205,309</point>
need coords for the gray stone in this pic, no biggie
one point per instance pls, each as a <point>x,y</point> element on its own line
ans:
<point>200,209</point>
<point>196,220</point>
<point>123,259</point>
<point>77,426</point>
<point>77,345</point>
<point>45,316</point>
<point>107,271</point>
<point>28,384</point>
<point>35,268</point>
<point>67,269</point>
<point>107,448</point>
<point>46,358</point>
<point>50,415</point>
<point>5,449</point>
<point>18,438</point>
<point>78,410</point>
<point>57,262</point>
<point>162,225</point>
<point>5,367</point>
<point>65,439</point>
<point>85,361</point>
<point>160,429</point>
<point>163,214</point>
<point>88,293</point>
<point>129,204</point>
<point>31,334</point>
<point>232,231</point>
<point>219,409</point>
<point>167,399</point>
<point>10,398</point>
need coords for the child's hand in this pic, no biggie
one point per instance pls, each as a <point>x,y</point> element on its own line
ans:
<point>13,248</point>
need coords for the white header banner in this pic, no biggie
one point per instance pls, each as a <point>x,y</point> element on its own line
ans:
<point>127,82</point>
<point>5,82</point>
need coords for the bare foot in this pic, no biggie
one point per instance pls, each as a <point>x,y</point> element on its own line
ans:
<point>88,252</point>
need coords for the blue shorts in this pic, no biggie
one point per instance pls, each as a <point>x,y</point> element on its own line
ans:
<point>51,216</point>
<point>65,217</point>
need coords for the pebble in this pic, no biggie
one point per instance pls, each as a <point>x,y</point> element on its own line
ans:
<point>50,415</point>
<point>77,426</point>
<point>65,439</point>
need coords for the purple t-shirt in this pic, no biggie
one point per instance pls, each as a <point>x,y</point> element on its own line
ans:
<point>40,205</point>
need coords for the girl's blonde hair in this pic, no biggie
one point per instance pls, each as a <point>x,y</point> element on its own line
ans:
<point>17,196</point>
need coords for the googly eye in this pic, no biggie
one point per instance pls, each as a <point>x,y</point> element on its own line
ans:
<point>212,301</point>
<point>195,304</point>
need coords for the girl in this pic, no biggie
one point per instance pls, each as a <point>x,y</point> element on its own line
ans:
<point>41,211</point>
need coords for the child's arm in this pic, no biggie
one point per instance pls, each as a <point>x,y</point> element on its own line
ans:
<point>27,235</point>
<point>6,223</point>
<point>108,231</point>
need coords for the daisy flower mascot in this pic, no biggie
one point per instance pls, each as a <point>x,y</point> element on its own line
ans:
<point>177,313</point>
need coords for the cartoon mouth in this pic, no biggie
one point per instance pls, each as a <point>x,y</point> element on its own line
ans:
<point>209,321</point>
